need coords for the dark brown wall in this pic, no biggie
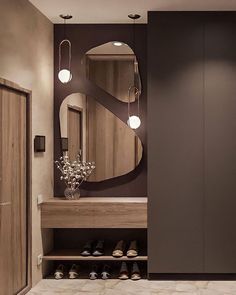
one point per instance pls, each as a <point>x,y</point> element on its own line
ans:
<point>83,38</point>
<point>191,142</point>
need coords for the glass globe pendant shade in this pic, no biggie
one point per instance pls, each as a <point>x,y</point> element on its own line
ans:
<point>64,76</point>
<point>134,122</point>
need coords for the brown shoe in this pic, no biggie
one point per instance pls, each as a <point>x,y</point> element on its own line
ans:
<point>133,250</point>
<point>124,274</point>
<point>135,274</point>
<point>119,249</point>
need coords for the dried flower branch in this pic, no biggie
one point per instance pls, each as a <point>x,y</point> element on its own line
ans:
<point>74,173</point>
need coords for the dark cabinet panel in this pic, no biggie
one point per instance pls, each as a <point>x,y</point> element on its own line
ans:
<point>175,143</point>
<point>192,142</point>
<point>220,143</point>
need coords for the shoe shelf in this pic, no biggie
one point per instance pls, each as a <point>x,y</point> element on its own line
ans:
<point>73,255</point>
<point>95,212</point>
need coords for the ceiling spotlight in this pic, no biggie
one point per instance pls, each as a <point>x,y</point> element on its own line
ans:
<point>117,43</point>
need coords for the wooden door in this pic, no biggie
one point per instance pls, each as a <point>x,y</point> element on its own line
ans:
<point>13,197</point>
<point>74,131</point>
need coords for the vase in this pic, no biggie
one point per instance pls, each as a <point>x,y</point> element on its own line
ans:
<point>72,194</point>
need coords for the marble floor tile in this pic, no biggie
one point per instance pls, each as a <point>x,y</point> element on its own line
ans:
<point>142,287</point>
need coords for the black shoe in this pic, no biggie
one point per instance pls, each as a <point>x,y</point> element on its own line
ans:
<point>105,275</point>
<point>99,248</point>
<point>135,273</point>
<point>87,249</point>
<point>93,275</point>
<point>124,274</point>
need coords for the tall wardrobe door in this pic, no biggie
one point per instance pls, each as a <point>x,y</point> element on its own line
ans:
<point>175,143</point>
<point>13,229</point>
<point>220,146</point>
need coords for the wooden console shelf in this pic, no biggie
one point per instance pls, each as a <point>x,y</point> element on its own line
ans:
<point>75,255</point>
<point>95,212</point>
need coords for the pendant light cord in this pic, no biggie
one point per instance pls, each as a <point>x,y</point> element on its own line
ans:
<point>65,40</point>
<point>134,35</point>
<point>64,29</point>
<point>69,54</point>
<point>136,93</point>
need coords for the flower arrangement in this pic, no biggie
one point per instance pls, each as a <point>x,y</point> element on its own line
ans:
<point>73,174</point>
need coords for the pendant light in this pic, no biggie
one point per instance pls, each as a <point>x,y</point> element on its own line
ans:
<point>64,75</point>
<point>134,121</point>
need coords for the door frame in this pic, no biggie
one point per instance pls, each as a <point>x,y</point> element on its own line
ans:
<point>79,110</point>
<point>13,86</point>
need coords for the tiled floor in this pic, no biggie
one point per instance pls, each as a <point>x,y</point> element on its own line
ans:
<point>142,287</point>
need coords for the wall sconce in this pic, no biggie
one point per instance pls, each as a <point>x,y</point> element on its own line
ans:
<point>39,144</point>
<point>64,75</point>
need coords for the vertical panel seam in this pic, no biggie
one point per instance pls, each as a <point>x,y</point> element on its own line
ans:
<point>204,145</point>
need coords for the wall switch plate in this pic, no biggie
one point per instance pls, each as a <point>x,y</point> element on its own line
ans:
<point>40,199</point>
<point>39,259</point>
<point>39,143</point>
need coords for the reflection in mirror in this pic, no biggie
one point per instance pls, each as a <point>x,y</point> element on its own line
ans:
<point>114,68</point>
<point>102,137</point>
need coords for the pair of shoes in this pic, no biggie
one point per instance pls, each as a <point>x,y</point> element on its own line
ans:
<point>120,249</point>
<point>60,272</point>
<point>95,249</point>
<point>124,273</point>
<point>105,273</point>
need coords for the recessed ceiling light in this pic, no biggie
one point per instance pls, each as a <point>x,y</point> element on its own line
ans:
<point>117,43</point>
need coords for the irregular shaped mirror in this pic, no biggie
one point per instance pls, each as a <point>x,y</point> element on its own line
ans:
<point>113,66</point>
<point>102,137</point>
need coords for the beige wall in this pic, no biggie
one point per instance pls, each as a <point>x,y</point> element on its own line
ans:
<point>26,58</point>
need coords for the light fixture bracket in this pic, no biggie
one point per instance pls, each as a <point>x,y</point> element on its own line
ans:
<point>134,16</point>
<point>66,16</point>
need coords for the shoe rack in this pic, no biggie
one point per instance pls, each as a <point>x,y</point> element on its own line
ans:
<point>110,219</point>
<point>68,244</point>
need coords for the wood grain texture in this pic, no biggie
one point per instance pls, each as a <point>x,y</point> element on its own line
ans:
<point>14,201</point>
<point>74,132</point>
<point>113,73</point>
<point>71,254</point>
<point>95,213</point>
<point>5,250</point>
<point>13,180</point>
<point>111,144</point>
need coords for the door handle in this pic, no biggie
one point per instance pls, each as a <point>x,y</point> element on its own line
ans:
<point>5,203</point>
